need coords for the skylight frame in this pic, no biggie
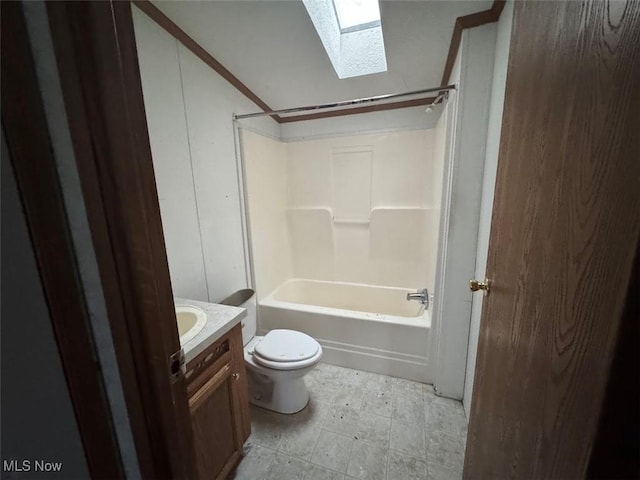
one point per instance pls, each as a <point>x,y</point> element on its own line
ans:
<point>354,51</point>
<point>377,22</point>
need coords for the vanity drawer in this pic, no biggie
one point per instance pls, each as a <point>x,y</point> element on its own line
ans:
<point>207,363</point>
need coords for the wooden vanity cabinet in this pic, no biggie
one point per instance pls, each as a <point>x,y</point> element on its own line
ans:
<point>219,405</point>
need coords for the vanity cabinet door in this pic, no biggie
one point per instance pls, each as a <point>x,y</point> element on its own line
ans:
<point>240,384</point>
<point>217,443</point>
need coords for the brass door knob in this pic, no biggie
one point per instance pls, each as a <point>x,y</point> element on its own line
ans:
<point>475,285</point>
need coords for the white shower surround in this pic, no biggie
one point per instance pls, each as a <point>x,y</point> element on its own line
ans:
<point>366,327</point>
<point>311,250</point>
<point>380,227</point>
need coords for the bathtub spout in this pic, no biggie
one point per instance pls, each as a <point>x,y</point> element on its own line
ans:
<point>421,295</point>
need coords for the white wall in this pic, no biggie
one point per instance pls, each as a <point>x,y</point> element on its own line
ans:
<point>265,164</point>
<point>379,122</point>
<point>461,207</point>
<point>164,105</point>
<point>503,41</point>
<point>189,112</point>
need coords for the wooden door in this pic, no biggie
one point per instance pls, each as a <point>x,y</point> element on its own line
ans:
<point>30,150</point>
<point>564,231</point>
<point>100,80</point>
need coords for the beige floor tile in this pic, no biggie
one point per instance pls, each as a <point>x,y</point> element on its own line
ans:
<point>313,414</point>
<point>379,383</point>
<point>368,460</point>
<point>284,467</point>
<point>343,420</point>
<point>314,472</point>
<point>404,467</point>
<point>349,397</point>
<point>446,451</point>
<point>407,387</point>
<point>408,438</point>
<point>354,378</point>
<point>377,403</point>
<point>255,463</point>
<point>439,472</point>
<point>329,373</point>
<point>433,399</point>
<point>407,407</point>
<point>323,391</point>
<point>444,420</point>
<point>374,428</point>
<point>332,451</point>
<point>299,441</point>
<point>267,428</point>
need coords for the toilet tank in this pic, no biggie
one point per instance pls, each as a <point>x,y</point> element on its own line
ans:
<point>245,298</point>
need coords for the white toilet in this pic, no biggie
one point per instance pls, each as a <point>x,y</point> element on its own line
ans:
<point>276,364</point>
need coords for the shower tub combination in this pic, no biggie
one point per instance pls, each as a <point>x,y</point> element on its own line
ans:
<point>359,326</point>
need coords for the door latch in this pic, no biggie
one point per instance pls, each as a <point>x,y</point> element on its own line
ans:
<point>177,366</point>
<point>475,285</point>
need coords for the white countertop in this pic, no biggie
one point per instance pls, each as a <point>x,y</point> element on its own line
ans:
<point>220,319</point>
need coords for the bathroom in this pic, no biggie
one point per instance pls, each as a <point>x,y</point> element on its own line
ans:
<point>229,253</point>
<point>332,220</point>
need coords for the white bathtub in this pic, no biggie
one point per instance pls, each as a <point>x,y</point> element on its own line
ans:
<point>359,326</point>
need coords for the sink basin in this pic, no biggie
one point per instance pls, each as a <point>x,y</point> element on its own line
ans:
<point>191,320</point>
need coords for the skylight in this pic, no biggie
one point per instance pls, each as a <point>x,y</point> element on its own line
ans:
<point>357,14</point>
<point>351,33</point>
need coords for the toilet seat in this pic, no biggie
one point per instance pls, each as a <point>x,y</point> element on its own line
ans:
<point>287,350</point>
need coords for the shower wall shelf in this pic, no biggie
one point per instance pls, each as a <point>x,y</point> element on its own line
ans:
<point>344,220</point>
<point>352,220</point>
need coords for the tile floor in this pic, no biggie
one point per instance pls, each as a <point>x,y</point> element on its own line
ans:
<point>358,425</point>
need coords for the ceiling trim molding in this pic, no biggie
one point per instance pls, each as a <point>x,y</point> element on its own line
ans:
<point>462,23</point>
<point>468,21</point>
<point>165,22</point>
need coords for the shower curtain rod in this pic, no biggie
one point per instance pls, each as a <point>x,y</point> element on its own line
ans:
<point>344,103</point>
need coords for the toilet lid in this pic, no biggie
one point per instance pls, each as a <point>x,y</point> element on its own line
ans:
<point>286,346</point>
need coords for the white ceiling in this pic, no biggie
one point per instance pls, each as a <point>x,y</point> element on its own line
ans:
<point>273,48</point>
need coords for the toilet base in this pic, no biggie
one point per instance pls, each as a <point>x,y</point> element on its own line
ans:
<point>282,395</point>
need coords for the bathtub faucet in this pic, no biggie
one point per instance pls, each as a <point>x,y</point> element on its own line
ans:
<point>421,295</point>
